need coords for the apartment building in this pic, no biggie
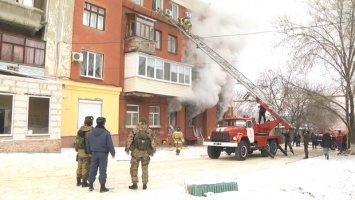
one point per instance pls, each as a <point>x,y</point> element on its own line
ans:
<point>154,74</point>
<point>30,95</point>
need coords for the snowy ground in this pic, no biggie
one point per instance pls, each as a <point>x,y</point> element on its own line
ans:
<point>50,176</point>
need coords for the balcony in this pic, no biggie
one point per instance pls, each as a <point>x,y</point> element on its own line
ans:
<point>149,75</point>
<point>15,16</point>
<point>136,43</point>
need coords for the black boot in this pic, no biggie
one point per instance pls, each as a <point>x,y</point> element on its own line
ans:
<point>144,186</point>
<point>85,183</point>
<point>91,187</point>
<point>103,188</point>
<point>133,186</point>
<point>78,181</point>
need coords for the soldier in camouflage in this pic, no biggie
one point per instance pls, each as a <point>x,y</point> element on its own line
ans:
<point>138,136</point>
<point>82,171</point>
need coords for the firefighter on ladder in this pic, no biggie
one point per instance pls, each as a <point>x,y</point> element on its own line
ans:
<point>178,139</point>
<point>185,23</point>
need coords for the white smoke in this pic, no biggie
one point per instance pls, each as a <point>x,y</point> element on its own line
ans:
<point>212,86</point>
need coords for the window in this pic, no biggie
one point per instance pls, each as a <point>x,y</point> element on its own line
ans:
<point>94,16</point>
<point>38,115</point>
<point>88,108</point>
<point>157,5</point>
<point>172,119</point>
<point>91,65</point>
<point>6,113</point>
<point>22,50</point>
<point>172,44</point>
<point>154,116</point>
<point>166,71</point>
<point>181,74</point>
<point>191,121</point>
<point>138,25</point>
<point>151,67</point>
<point>141,67</point>
<point>173,69</point>
<point>159,69</point>
<point>158,39</point>
<point>26,2</point>
<point>139,2</point>
<point>187,75</point>
<point>132,115</point>
<point>174,10</point>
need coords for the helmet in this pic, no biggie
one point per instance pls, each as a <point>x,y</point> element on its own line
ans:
<point>179,129</point>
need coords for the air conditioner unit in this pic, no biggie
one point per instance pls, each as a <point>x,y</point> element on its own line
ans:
<point>76,56</point>
<point>168,12</point>
<point>188,14</point>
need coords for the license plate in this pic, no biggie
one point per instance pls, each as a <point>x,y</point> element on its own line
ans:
<point>217,143</point>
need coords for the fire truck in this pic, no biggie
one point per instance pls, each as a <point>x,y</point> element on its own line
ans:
<point>237,135</point>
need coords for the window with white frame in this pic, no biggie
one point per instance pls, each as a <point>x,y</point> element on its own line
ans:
<point>174,10</point>
<point>172,44</point>
<point>6,108</point>
<point>94,16</point>
<point>132,115</point>
<point>173,70</point>
<point>154,116</point>
<point>157,39</point>
<point>139,2</point>
<point>92,65</point>
<point>150,68</point>
<point>154,68</point>
<point>38,115</point>
<point>159,69</point>
<point>157,5</point>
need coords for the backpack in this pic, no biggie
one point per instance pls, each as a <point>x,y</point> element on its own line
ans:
<point>79,143</point>
<point>141,140</point>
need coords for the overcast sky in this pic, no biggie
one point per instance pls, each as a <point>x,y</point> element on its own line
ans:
<point>258,53</point>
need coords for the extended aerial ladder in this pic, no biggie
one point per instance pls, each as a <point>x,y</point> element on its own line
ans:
<point>250,86</point>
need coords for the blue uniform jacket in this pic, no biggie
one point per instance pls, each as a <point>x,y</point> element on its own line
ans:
<point>99,140</point>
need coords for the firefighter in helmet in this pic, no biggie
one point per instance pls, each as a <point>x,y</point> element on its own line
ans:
<point>178,139</point>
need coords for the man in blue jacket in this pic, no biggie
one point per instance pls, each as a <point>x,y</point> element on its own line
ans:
<point>98,145</point>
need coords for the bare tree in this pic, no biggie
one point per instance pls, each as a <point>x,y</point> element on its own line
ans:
<point>328,40</point>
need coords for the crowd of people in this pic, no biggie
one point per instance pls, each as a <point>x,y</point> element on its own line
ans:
<point>326,139</point>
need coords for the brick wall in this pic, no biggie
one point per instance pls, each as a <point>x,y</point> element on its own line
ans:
<point>31,146</point>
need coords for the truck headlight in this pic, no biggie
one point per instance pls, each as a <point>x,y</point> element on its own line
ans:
<point>234,138</point>
<point>209,137</point>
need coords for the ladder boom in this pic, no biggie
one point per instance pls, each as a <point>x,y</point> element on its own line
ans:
<point>250,86</point>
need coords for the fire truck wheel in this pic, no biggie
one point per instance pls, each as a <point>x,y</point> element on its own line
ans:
<point>263,153</point>
<point>273,147</point>
<point>213,152</point>
<point>241,151</point>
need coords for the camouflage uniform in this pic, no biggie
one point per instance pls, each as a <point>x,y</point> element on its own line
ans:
<point>288,141</point>
<point>179,140</point>
<point>140,155</point>
<point>84,159</point>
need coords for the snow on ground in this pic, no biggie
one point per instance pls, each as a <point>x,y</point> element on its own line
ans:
<point>314,178</point>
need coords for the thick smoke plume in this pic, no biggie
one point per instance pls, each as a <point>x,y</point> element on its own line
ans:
<point>212,86</point>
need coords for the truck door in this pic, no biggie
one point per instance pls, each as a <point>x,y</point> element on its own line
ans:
<point>250,131</point>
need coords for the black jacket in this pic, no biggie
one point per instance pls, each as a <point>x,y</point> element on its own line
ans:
<point>326,141</point>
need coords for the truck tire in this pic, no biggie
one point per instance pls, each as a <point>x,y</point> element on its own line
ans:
<point>263,153</point>
<point>241,151</point>
<point>273,147</point>
<point>213,152</point>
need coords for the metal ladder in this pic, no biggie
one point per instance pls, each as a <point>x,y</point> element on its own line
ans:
<point>250,86</point>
